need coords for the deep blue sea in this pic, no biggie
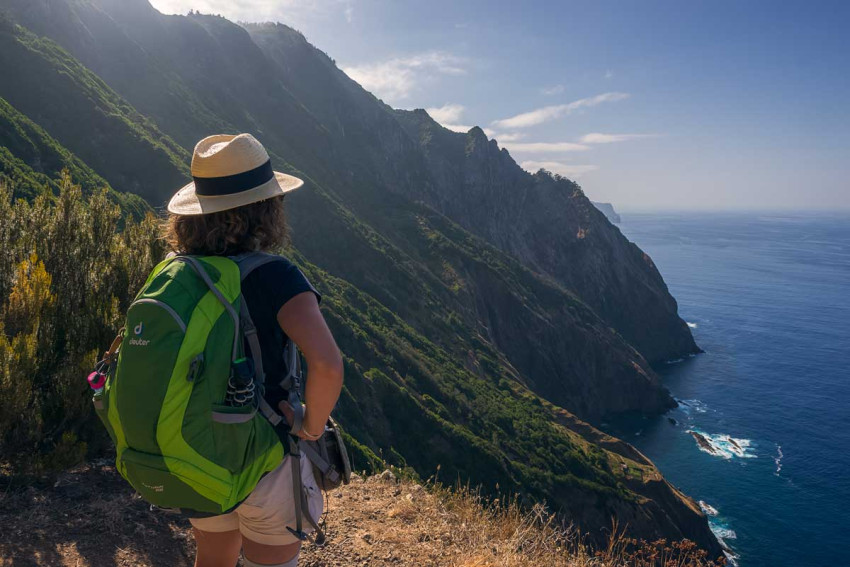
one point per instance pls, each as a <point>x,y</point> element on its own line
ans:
<point>768,299</point>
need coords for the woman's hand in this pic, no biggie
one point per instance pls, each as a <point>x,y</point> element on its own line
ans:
<point>289,413</point>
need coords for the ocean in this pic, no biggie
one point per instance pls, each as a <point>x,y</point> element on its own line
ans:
<point>768,298</point>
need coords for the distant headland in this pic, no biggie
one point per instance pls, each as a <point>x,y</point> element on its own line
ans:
<point>608,210</point>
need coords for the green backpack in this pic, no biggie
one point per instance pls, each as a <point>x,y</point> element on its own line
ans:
<point>180,401</point>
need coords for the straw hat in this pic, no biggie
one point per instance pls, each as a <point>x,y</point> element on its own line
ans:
<point>228,172</point>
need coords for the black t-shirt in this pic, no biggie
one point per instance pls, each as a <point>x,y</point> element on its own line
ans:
<point>266,290</point>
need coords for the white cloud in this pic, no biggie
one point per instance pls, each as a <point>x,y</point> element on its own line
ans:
<point>549,91</point>
<point>597,138</point>
<point>546,113</point>
<point>490,133</point>
<point>449,115</point>
<point>458,127</point>
<point>446,113</point>
<point>397,78</point>
<point>507,136</point>
<point>567,170</point>
<point>544,147</point>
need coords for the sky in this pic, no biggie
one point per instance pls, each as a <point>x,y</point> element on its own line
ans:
<point>650,105</point>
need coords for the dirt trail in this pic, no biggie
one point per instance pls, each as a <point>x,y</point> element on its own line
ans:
<point>90,517</point>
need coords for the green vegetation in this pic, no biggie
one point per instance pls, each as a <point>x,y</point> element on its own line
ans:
<point>66,277</point>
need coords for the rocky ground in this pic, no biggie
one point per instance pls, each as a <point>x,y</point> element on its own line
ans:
<point>90,517</point>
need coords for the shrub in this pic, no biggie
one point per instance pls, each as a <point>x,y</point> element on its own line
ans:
<point>67,274</point>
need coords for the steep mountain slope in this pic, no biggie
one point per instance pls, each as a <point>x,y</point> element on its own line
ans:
<point>191,76</point>
<point>38,158</point>
<point>549,224</point>
<point>427,407</point>
<point>473,183</point>
<point>83,114</point>
<point>447,339</point>
<point>32,162</point>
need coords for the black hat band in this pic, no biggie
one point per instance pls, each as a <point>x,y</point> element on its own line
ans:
<point>230,184</point>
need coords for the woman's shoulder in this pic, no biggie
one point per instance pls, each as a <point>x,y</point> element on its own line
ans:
<point>279,277</point>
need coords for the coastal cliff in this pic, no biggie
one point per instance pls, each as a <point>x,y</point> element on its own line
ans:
<point>551,226</point>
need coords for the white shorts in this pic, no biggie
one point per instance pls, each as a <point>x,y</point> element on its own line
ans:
<point>264,516</point>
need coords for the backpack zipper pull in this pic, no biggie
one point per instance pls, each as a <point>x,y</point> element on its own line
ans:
<point>195,367</point>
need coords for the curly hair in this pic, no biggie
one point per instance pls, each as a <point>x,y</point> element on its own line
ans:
<point>258,226</point>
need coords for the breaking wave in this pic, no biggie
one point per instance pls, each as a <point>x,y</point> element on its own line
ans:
<point>723,445</point>
<point>707,508</point>
<point>731,557</point>
<point>688,406</point>
<point>721,531</point>
<point>692,325</point>
<point>778,459</point>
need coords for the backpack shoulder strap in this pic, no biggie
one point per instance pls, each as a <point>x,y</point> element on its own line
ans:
<point>247,263</point>
<point>250,261</point>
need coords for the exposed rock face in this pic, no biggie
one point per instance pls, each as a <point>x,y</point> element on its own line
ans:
<point>608,210</point>
<point>550,224</point>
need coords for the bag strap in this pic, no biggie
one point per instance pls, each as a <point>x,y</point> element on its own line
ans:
<point>250,261</point>
<point>302,507</point>
<point>320,459</point>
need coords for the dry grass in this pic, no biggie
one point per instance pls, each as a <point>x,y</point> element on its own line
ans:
<point>405,524</point>
<point>90,518</point>
<point>502,533</point>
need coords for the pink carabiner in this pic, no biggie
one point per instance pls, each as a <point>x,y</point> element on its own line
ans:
<point>96,380</point>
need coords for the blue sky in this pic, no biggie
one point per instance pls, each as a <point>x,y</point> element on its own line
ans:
<point>649,105</point>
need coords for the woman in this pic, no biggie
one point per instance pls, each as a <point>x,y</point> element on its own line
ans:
<point>233,205</point>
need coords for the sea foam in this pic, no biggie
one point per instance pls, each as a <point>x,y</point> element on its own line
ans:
<point>778,459</point>
<point>723,445</point>
<point>724,533</point>
<point>721,531</point>
<point>692,405</point>
<point>707,508</point>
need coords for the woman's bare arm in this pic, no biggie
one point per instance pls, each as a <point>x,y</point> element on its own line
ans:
<point>302,322</point>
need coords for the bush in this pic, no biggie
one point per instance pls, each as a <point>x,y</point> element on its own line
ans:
<point>67,274</point>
